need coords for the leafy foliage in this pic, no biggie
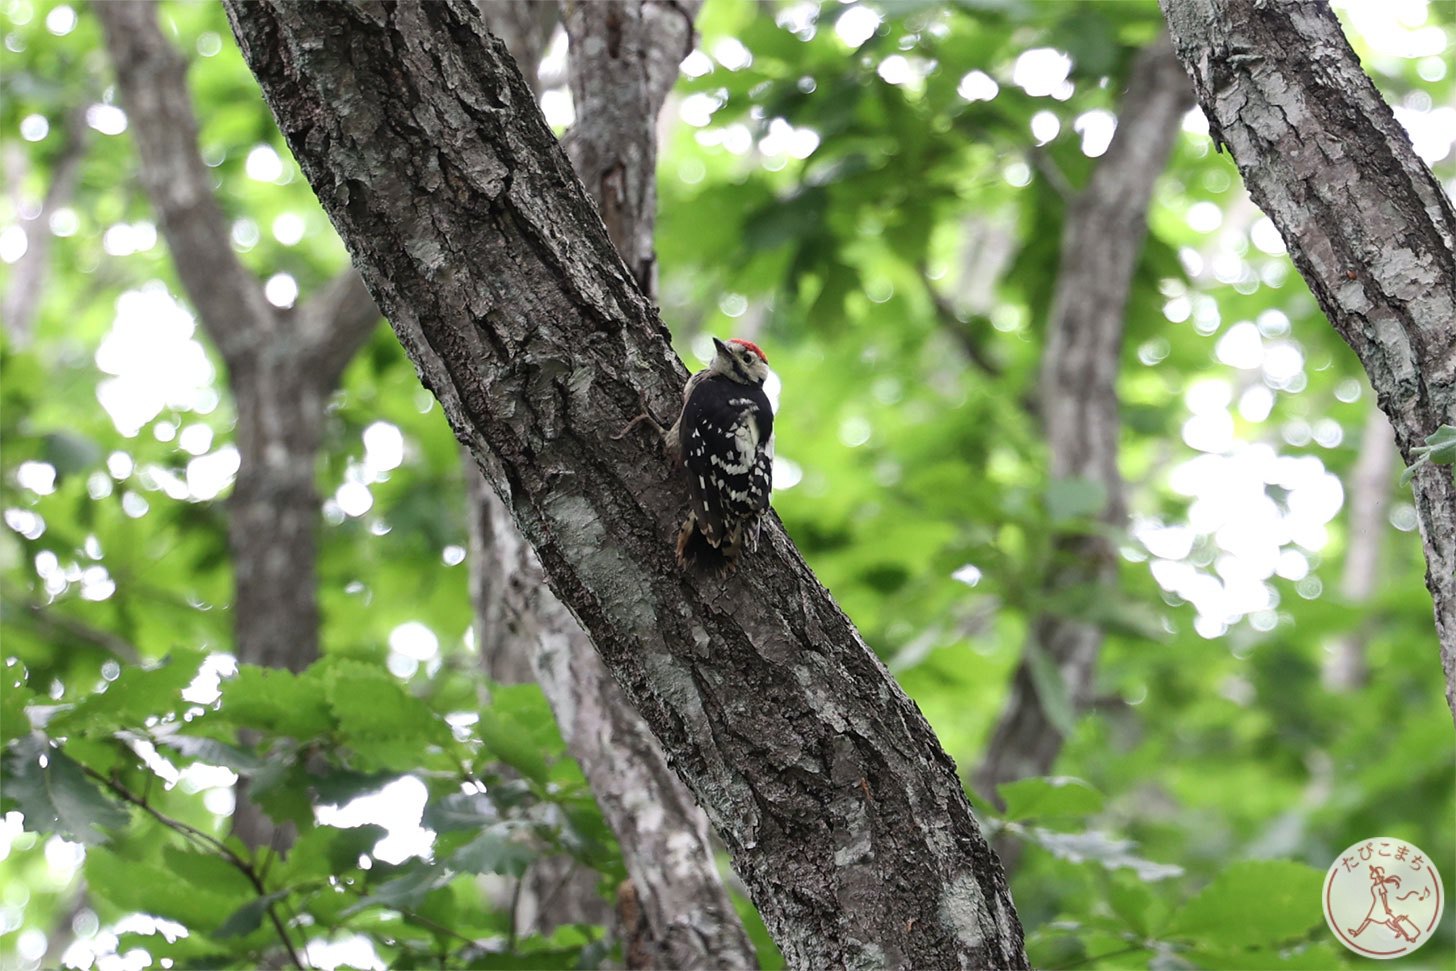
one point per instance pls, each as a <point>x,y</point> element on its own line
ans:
<point>1440,448</point>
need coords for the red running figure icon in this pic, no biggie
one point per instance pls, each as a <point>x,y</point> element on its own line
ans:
<point>1381,887</point>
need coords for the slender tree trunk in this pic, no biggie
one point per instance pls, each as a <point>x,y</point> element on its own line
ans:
<point>674,910</point>
<point>1371,483</point>
<point>843,816</point>
<point>28,276</point>
<point>1365,222</point>
<point>281,364</point>
<point>1101,240</point>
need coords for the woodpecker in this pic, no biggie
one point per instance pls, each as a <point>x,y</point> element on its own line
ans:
<point>724,437</point>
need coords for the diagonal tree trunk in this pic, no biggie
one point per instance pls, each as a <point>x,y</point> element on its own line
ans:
<point>843,816</point>
<point>1103,235</point>
<point>1364,221</point>
<point>526,27</point>
<point>281,364</point>
<point>674,911</point>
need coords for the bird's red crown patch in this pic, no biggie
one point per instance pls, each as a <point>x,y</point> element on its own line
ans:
<point>752,347</point>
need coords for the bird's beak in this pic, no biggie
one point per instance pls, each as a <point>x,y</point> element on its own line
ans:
<point>722,347</point>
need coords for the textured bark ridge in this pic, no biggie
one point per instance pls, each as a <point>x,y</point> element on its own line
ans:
<point>1104,232</point>
<point>844,817</point>
<point>281,364</point>
<point>674,911</point>
<point>1365,222</point>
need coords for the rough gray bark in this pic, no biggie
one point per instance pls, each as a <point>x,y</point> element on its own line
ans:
<point>526,27</point>
<point>686,917</point>
<point>281,364</point>
<point>1102,237</point>
<point>554,890</point>
<point>680,914</point>
<point>1365,222</point>
<point>1369,489</point>
<point>843,816</point>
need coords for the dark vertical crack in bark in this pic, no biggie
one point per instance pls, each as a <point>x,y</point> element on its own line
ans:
<point>427,149</point>
<point>1365,222</point>
<point>1104,232</point>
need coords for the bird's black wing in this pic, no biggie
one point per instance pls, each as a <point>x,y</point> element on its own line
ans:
<point>727,444</point>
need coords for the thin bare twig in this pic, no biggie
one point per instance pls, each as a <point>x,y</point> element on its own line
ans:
<point>197,836</point>
<point>50,623</point>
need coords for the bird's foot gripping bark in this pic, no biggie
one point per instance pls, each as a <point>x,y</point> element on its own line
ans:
<point>644,416</point>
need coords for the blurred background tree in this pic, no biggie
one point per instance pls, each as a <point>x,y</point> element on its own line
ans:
<point>878,193</point>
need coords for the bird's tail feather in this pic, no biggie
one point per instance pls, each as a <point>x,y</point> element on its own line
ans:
<point>696,551</point>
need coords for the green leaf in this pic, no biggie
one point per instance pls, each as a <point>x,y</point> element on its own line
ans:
<point>405,890</point>
<point>1076,498</point>
<point>328,851</point>
<point>493,851</point>
<point>1443,440</point>
<point>15,697</point>
<point>1253,903</point>
<point>206,871</point>
<point>274,700</point>
<point>281,788</point>
<point>512,744</point>
<point>136,694</point>
<point>1440,447</point>
<point>385,725</point>
<point>57,797</point>
<point>213,752</point>
<point>1039,798</point>
<point>248,917</point>
<point>70,453</point>
<point>137,885</point>
<point>1133,902</point>
<point>1092,846</point>
<point>459,811</point>
<point>1051,689</point>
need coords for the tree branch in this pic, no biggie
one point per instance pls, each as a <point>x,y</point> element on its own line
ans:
<point>824,781</point>
<point>281,367</point>
<point>195,835</point>
<point>28,275</point>
<point>961,330</point>
<point>152,78</point>
<point>333,324</point>
<point>1370,486</point>
<point>1364,220</point>
<point>53,624</point>
<point>1106,225</point>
